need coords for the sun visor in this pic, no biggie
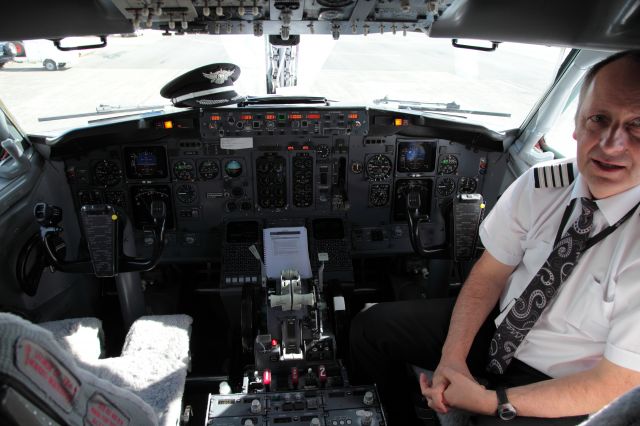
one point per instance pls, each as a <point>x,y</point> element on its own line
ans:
<point>207,86</point>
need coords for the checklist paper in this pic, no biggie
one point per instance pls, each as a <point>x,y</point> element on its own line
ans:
<point>286,248</point>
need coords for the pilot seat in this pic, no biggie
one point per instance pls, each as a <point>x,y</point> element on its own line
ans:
<point>53,374</point>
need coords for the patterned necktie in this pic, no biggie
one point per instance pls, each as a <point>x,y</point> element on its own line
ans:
<point>541,290</point>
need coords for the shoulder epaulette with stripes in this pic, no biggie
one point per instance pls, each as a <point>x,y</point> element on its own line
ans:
<point>554,175</point>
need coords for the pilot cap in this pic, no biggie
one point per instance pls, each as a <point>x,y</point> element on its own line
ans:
<point>207,86</point>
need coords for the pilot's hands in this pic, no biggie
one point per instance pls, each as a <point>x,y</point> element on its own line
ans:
<point>434,390</point>
<point>464,392</point>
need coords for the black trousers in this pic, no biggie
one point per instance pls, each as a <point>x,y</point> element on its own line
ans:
<point>388,336</point>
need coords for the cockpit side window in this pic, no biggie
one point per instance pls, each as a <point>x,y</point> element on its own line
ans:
<point>559,138</point>
<point>13,159</point>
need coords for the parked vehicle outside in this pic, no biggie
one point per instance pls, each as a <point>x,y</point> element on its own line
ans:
<point>45,53</point>
<point>7,52</point>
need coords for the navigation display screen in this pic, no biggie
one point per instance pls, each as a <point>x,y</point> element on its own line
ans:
<point>417,156</point>
<point>146,162</point>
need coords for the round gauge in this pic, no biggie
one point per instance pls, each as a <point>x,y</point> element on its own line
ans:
<point>208,169</point>
<point>184,170</point>
<point>186,194</point>
<point>233,168</point>
<point>378,167</point>
<point>107,173</point>
<point>445,186</point>
<point>448,164</point>
<point>356,167</point>
<point>322,151</point>
<point>379,195</point>
<point>467,185</point>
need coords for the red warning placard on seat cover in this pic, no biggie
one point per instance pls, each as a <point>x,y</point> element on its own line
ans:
<point>46,373</point>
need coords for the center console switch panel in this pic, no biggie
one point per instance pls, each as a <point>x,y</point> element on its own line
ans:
<point>357,406</point>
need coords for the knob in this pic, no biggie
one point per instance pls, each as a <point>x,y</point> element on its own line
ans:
<point>368,398</point>
<point>256,407</point>
<point>248,422</point>
<point>315,422</point>
<point>224,388</point>
<point>366,417</point>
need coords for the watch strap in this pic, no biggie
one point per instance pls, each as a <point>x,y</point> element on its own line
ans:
<point>501,392</point>
<point>506,411</point>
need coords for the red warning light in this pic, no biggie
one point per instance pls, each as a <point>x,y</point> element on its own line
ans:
<point>246,117</point>
<point>266,377</point>
<point>216,118</point>
<point>270,116</point>
<point>313,116</point>
<point>295,116</point>
<point>352,116</point>
<point>274,342</point>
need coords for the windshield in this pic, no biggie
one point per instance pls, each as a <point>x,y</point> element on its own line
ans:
<point>130,72</point>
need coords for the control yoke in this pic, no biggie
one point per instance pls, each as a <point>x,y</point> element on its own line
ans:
<point>466,213</point>
<point>104,228</point>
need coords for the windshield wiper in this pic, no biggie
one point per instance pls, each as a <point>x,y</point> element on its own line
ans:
<point>281,100</point>
<point>437,107</point>
<point>103,109</point>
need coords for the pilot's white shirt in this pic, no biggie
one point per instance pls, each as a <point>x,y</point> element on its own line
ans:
<point>596,313</point>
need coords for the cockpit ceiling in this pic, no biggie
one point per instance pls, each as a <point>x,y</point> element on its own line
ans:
<point>592,24</point>
<point>613,24</point>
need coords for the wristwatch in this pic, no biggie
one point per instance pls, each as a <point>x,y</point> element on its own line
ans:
<point>506,411</point>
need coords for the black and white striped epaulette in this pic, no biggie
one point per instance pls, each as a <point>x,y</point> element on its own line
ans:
<point>554,175</point>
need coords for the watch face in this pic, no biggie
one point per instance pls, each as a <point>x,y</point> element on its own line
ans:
<point>506,411</point>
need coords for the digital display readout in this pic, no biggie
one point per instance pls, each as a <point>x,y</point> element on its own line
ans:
<point>146,162</point>
<point>416,156</point>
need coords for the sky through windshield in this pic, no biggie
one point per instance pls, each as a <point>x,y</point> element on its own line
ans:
<point>355,70</point>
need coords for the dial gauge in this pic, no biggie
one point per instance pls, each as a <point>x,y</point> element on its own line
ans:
<point>233,168</point>
<point>445,186</point>
<point>186,194</point>
<point>208,169</point>
<point>379,195</point>
<point>107,173</point>
<point>468,185</point>
<point>448,164</point>
<point>378,167</point>
<point>322,151</point>
<point>184,170</point>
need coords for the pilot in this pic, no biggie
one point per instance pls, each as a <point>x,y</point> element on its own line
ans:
<point>561,268</point>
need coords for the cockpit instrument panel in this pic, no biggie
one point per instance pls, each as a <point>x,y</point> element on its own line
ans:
<point>148,162</point>
<point>282,166</point>
<point>416,156</point>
